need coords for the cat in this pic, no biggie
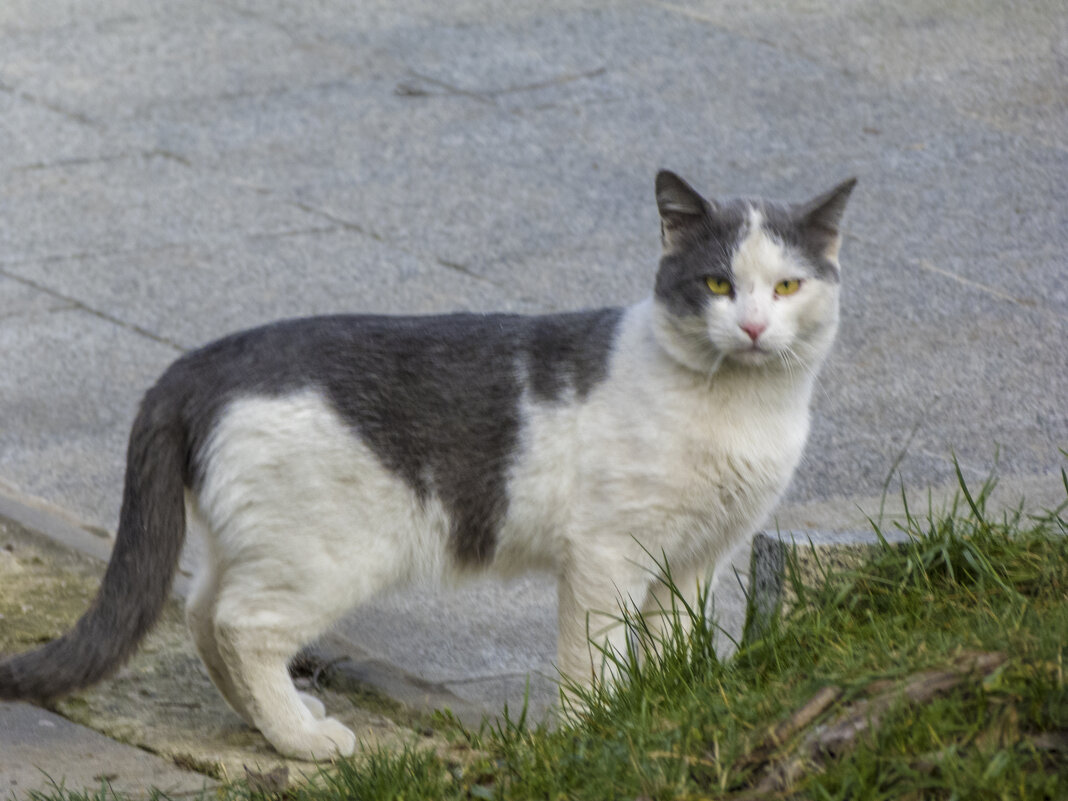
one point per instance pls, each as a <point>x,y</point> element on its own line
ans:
<point>332,458</point>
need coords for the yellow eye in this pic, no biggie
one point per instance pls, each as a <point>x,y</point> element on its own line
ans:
<point>787,287</point>
<point>718,286</point>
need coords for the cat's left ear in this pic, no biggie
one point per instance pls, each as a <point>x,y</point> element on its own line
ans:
<point>680,206</point>
<point>819,219</point>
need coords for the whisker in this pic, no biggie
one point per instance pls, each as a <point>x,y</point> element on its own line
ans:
<point>793,362</point>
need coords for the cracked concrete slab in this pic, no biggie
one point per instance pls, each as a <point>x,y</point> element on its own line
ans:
<point>34,133</point>
<point>19,299</point>
<point>116,65</point>
<point>40,751</point>
<point>73,407</point>
<point>991,61</point>
<point>133,204</point>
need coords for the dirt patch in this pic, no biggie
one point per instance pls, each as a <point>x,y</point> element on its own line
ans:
<point>43,588</point>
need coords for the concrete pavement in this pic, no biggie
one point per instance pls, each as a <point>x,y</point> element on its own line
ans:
<point>173,171</point>
<point>41,751</point>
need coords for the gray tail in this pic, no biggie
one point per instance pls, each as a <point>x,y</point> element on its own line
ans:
<point>138,578</point>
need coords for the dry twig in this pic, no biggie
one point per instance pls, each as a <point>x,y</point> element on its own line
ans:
<point>841,734</point>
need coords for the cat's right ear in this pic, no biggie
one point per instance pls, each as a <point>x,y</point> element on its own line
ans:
<point>680,206</point>
<point>820,218</point>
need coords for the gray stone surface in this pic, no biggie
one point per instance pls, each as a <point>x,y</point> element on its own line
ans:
<point>480,642</point>
<point>172,171</point>
<point>40,751</point>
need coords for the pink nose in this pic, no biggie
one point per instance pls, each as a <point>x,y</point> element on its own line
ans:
<point>753,329</point>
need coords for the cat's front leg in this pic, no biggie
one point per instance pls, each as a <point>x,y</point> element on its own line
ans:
<point>591,629</point>
<point>673,602</point>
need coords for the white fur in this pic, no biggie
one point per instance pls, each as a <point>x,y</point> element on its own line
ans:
<point>304,524</point>
<point>671,456</point>
<point>659,462</point>
<point>799,327</point>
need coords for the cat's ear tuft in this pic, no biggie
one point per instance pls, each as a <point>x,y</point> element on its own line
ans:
<point>820,217</point>
<point>679,204</point>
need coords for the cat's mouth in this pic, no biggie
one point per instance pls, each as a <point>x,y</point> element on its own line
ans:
<point>753,355</point>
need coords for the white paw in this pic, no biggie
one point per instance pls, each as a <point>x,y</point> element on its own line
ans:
<point>325,740</point>
<point>315,706</point>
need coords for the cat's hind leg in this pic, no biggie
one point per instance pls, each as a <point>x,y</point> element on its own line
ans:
<point>315,706</point>
<point>307,524</point>
<point>257,636</point>
<point>200,618</point>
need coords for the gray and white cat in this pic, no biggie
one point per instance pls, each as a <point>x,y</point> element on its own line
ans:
<point>332,458</point>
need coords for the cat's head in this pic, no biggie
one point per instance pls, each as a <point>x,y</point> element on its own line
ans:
<point>749,283</point>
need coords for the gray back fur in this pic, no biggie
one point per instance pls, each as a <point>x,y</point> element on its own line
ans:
<point>436,398</point>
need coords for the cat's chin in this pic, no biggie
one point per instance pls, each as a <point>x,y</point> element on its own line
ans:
<point>753,357</point>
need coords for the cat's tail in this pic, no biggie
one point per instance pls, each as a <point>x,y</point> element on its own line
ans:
<point>138,576</point>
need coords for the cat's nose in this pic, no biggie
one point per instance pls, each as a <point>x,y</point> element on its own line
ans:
<point>754,329</point>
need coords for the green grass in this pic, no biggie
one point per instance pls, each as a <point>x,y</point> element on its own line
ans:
<point>970,616</point>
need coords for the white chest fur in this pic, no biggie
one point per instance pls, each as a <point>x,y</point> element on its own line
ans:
<point>658,457</point>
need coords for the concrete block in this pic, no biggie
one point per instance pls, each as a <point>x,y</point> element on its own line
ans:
<point>815,553</point>
<point>40,751</point>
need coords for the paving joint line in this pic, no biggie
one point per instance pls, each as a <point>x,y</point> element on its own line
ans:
<point>78,305</point>
<point>76,116</point>
<point>489,95</point>
<point>712,23</point>
<point>357,228</point>
<point>83,161</point>
<point>929,266</point>
<point>30,312</point>
<point>465,270</point>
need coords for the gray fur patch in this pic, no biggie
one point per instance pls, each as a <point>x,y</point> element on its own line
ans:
<point>783,225</point>
<point>435,398</point>
<point>702,250</point>
<point>569,351</point>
